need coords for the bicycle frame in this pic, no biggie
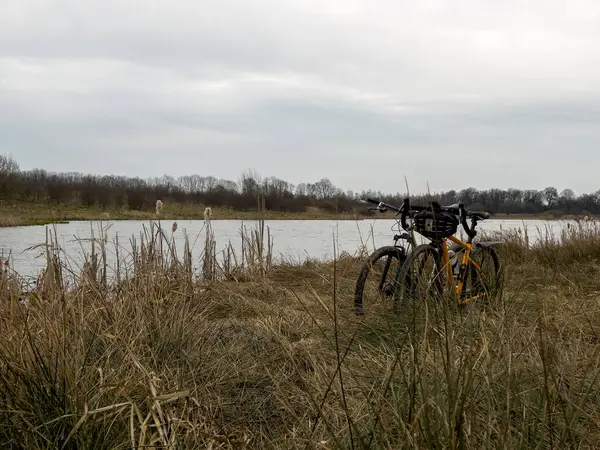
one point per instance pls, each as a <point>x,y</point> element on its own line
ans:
<point>465,262</point>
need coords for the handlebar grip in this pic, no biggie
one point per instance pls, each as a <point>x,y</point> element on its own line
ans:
<point>405,208</point>
<point>463,220</point>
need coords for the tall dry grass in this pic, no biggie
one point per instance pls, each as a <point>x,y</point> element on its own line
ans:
<point>161,356</point>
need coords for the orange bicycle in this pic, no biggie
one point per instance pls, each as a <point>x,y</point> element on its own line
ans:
<point>467,270</point>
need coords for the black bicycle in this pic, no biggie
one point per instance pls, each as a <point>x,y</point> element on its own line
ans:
<point>383,262</point>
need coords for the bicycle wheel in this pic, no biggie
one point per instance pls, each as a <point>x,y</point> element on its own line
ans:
<point>422,274</point>
<point>377,291</point>
<point>483,280</point>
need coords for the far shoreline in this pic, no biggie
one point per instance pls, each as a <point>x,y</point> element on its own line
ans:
<point>36,214</point>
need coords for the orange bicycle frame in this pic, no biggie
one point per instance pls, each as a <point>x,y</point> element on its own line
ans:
<point>466,259</point>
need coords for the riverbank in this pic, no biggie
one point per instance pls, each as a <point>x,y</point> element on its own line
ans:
<point>24,214</point>
<point>273,357</point>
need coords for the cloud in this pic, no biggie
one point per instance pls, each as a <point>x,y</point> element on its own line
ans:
<point>476,93</point>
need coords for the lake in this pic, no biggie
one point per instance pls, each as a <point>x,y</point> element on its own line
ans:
<point>294,240</point>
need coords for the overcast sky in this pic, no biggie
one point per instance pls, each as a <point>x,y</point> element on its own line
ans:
<point>455,94</point>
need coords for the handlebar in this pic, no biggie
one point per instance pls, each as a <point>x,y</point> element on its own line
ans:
<point>382,206</point>
<point>463,221</point>
<point>475,216</point>
<point>406,210</point>
<point>458,209</point>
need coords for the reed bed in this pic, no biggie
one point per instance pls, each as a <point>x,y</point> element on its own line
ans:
<point>248,354</point>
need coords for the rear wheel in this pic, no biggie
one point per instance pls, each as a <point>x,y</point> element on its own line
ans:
<point>378,283</point>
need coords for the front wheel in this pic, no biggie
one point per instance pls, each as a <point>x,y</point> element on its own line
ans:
<point>482,278</point>
<point>378,282</point>
<point>423,279</point>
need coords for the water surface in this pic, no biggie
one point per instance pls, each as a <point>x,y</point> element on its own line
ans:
<point>294,240</point>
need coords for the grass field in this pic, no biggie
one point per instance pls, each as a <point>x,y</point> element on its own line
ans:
<point>20,214</point>
<point>264,356</point>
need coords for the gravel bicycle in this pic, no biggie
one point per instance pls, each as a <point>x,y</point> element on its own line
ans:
<point>465,270</point>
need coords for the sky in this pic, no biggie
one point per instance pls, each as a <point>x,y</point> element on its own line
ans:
<point>449,94</point>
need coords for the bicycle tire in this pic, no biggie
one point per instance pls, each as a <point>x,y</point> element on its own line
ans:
<point>411,279</point>
<point>485,287</point>
<point>389,251</point>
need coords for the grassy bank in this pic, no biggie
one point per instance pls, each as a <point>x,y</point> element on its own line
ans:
<point>250,355</point>
<point>21,214</point>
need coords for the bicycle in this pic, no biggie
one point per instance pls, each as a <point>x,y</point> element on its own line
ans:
<point>395,256</point>
<point>465,278</point>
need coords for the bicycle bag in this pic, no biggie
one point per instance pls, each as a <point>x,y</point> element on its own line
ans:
<point>435,225</point>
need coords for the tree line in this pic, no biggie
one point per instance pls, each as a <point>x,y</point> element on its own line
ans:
<point>110,191</point>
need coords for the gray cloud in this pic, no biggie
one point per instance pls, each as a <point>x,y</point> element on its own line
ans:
<point>360,92</point>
